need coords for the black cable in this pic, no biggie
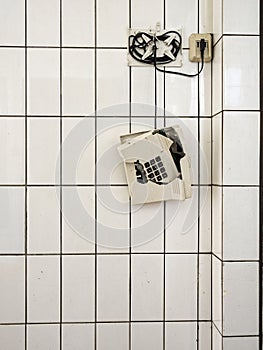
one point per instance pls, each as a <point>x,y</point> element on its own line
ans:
<point>202,49</point>
<point>140,42</point>
<point>138,46</point>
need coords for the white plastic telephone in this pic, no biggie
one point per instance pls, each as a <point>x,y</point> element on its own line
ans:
<point>156,164</point>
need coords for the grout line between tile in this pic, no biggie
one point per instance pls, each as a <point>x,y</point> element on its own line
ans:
<point>222,181</point>
<point>26,178</point>
<point>119,253</point>
<point>130,213</point>
<point>120,185</point>
<point>60,174</point>
<point>198,194</point>
<point>164,205</point>
<point>107,322</point>
<point>260,315</point>
<point>49,47</point>
<point>96,173</point>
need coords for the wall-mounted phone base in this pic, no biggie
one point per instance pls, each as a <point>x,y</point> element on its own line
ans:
<point>141,50</point>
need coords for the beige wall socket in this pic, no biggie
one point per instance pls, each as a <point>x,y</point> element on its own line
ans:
<point>194,47</point>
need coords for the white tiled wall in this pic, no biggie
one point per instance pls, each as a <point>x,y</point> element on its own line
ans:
<point>235,175</point>
<point>101,274</point>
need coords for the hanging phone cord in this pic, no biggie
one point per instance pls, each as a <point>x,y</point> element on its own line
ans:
<point>202,50</point>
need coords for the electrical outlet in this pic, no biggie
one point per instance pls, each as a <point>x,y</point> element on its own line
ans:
<point>194,47</point>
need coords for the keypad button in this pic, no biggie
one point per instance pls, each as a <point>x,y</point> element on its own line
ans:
<point>149,170</point>
<point>160,164</point>
<point>155,167</point>
<point>157,172</point>
<point>164,175</point>
<point>152,161</point>
<point>151,175</point>
<point>162,170</point>
<point>158,159</point>
<point>147,164</point>
<point>159,178</point>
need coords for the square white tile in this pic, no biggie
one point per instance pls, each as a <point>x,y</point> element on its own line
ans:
<point>183,17</point>
<point>189,128</point>
<point>43,289</point>
<point>205,150</point>
<point>155,245</point>
<point>116,108</point>
<point>217,220</point>
<point>241,145</point>
<point>180,335</point>
<point>240,223</point>
<point>205,219</point>
<point>43,22</point>
<point>240,73</point>
<point>12,19</point>
<point>12,81</point>
<point>109,162</point>
<point>77,82</point>
<point>43,220</point>
<point>241,299</point>
<point>143,86</point>
<point>217,339</point>
<point>181,287</point>
<point>111,24</point>
<point>78,23</point>
<point>12,220</point>
<point>147,228</point>
<point>206,16</point>
<point>78,225</point>
<point>217,19</point>
<point>217,77</point>
<point>251,343</point>
<point>113,81</point>
<point>205,92</point>
<point>112,219</point>
<point>43,337</point>
<point>12,302</point>
<point>12,337</point>
<point>12,150</point>
<point>205,287</point>
<point>155,13</point>
<point>78,336</point>
<point>217,293</point>
<point>113,336</point>
<point>160,86</point>
<point>43,158</point>
<point>245,21</point>
<point>147,336</point>
<point>143,110</point>
<point>217,149</point>
<point>147,92</point>
<point>205,334</point>
<point>78,151</point>
<point>181,93</point>
<point>143,123</point>
<point>181,223</point>
<point>147,287</point>
<point>43,96</point>
<point>113,288</point>
<point>78,283</point>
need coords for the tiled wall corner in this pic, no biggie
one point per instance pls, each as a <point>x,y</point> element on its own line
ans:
<point>235,175</point>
